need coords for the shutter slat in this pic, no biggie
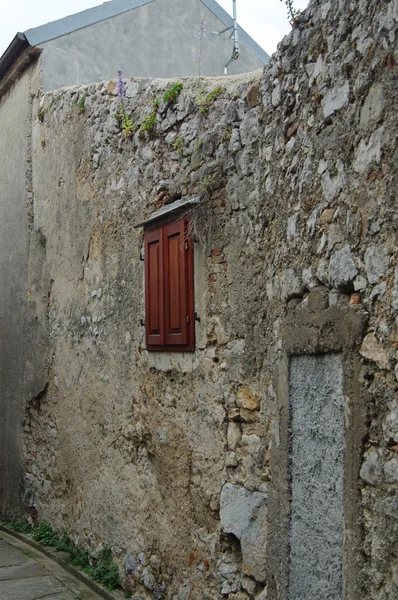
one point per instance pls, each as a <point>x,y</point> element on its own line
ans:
<point>154,288</point>
<point>176,292</point>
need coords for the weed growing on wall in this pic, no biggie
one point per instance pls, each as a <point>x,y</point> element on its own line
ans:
<point>201,37</point>
<point>171,94</point>
<point>179,145</point>
<point>149,122</point>
<point>293,13</point>
<point>81,105</point>
<point>203,222</point>
<point>207,101</point>
<point>19,526</point>
<point>121,115</point>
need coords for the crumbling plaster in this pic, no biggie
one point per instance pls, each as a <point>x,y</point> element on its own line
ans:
<point>298,167</point>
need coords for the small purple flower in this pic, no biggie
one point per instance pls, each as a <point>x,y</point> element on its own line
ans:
<point>121,92</point>
<point>202,31</point>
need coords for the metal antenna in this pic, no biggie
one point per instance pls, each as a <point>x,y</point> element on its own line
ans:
<point>235,36</point>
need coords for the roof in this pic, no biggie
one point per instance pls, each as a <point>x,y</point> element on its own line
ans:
<point>169,209</point>
<point>61,27</point>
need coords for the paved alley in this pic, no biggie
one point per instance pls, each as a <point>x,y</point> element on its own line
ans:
<point>27,574</point>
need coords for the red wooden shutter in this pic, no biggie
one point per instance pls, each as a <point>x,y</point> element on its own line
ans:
<point>154,288</point>
<point>177,318</point>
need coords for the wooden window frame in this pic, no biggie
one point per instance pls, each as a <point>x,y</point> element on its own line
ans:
<point>169,287</point>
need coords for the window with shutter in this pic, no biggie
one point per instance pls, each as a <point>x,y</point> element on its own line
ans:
<point>169,288</point>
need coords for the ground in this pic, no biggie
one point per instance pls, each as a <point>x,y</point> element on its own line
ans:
<point>28,574</point>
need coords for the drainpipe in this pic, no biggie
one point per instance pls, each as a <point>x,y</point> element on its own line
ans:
<point>235,35</point>
<point>18,44</point>
<point>236,50</point>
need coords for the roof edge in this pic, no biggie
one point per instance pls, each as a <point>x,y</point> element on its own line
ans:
<point>169,209</point>
<point>20,62</point>
<point>17,46</point>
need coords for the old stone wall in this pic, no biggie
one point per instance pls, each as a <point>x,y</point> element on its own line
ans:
<point>183,464</point>
<point>22,363</point>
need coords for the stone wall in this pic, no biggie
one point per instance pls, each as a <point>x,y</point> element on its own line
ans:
<point>184,464</point>
<point>22,357</point>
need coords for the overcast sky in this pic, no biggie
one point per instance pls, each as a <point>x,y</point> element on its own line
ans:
<point>264,20</point>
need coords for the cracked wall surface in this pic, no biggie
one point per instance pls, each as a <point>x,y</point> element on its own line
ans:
<point>296,255</point>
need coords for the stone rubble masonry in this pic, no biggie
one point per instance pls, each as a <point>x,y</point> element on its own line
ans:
<point>244,513</point>
<point>297,170</point>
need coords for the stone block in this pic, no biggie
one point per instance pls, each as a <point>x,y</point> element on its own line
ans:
<point>372,470</point>
<point>244,514</point>
<point>376,262</point>
<point>247,399</point>
<point>391,470</point>
<point>373,107</point>
<point>333,182</point>
<point>390,427</point>
<point>234,435</point>
<point>342,268</point>
<point>335,99</point>
<point>231,460</point>
<point>372,349</point>
<point>291,284</point>
<point>395,290</point>
<point>248,416</point>
<point>368,154</point>
<point>253,95</point>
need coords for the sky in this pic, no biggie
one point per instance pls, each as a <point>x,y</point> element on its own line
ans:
<point>264,20</point>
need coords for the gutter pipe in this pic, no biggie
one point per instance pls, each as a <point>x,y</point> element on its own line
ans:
<point>17,46</point>
<point>235,35</point>
<point>236,50</point>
